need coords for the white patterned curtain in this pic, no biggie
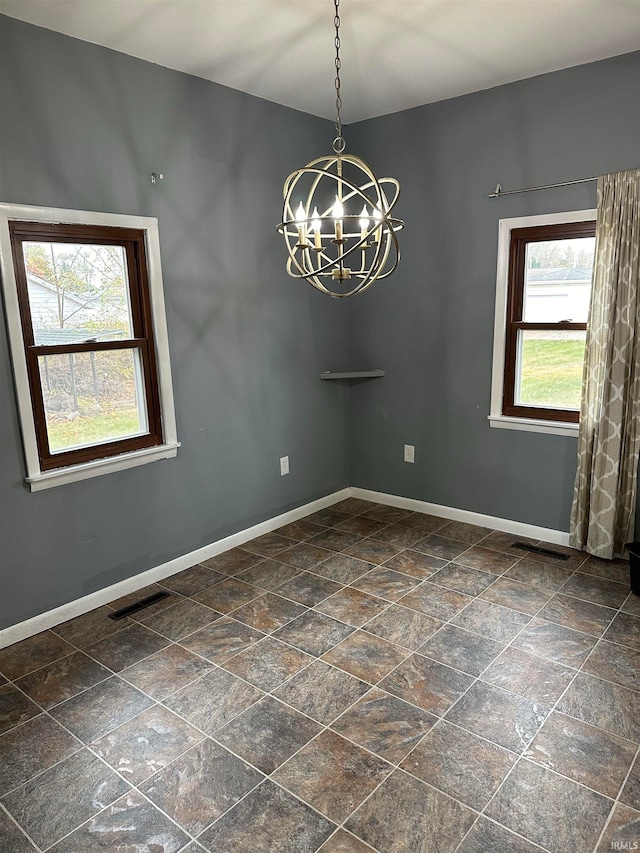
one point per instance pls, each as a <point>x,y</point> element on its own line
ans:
<point>602,515</point>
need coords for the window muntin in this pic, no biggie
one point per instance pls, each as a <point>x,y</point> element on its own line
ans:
<point>547,303</point>
<point>89,305</point>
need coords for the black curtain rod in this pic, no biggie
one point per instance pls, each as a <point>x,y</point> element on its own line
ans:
<point>499,191</point>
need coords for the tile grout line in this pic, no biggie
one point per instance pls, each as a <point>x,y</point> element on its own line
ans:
<point>190,838</point>
<point>347,832</point>
<point>131,788</point>
<point>617,801</point>
<point>362,513</point>
<point>491,820</point>
<point>324,728</point>
<point>13,681</point>
<point>446,623</point>
<point>396,766</point>
<point>599,677</point>
<point>361,627</point>
<point>413,778</point>
<point>372,685</point>
<point>5,811</point>
<point>39,773</point>
<point>522,757</point>
<point>86,746</point>
<point>576,672</point>
<point>525,758</point>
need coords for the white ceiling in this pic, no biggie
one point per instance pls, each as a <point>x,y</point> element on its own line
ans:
<point>396,54</point>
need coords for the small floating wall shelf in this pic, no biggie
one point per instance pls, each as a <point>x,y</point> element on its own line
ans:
<point>352,374</point>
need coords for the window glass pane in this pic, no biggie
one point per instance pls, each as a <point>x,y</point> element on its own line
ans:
<point>549,369</point>
<point>77,292</point>
<point>557,281</point>
<point>92,397</point>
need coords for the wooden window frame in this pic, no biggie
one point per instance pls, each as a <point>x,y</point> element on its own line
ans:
<point>149,335</point>
<point>519,239</point>
<point>133,243</point>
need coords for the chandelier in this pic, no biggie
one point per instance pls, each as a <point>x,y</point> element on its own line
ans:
<point>336,220</point>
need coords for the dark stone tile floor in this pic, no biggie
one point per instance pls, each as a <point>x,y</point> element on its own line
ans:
<point>365,680</point>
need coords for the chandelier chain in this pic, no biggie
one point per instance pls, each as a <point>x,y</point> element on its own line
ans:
<point>339,142</point>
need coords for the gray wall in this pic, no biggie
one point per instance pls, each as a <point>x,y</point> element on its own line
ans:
<point>431,325</point>
<point>83,127</point>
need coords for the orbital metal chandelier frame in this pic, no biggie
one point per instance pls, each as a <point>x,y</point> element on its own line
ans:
<point>340,253</point>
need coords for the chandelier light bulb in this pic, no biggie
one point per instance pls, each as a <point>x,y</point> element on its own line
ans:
<point>364,222</point>
<point>338,213</point>
<point>317,229</point>
<point>300,219</point>
<point>377,215</point>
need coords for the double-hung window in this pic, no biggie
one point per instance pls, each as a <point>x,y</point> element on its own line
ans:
<point>88,335</point>
<point>544,287</point>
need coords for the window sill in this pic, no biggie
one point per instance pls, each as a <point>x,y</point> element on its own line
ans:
<point>532,425</point>
<point>74,473</point>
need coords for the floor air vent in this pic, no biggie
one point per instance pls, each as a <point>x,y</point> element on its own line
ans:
<point>536,549</point>
<point>138,605</point>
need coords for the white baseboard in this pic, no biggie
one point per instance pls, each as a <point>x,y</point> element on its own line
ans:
<point>531,531</point>
<point>44,621</point>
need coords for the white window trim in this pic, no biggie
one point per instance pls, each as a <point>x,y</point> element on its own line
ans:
<point>505,226</point>
<point>36,478</point>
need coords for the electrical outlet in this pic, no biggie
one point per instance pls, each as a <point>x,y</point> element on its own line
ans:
<point>409,453</point>
<point>284,465</point>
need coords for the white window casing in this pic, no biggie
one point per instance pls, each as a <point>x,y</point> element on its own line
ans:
<point>35,477</point>
<point>495,417</point>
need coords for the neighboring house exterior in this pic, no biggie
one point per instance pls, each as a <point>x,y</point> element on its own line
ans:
<point>561,293</point>
<point>48,306</point>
